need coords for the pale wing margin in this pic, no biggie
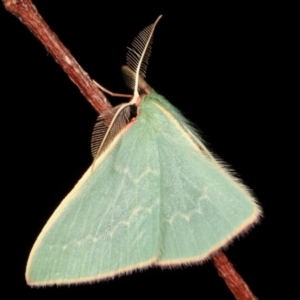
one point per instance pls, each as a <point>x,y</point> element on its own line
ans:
<point>108,224</point>
<point>203,206</point>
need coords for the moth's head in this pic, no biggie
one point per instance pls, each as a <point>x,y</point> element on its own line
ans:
<point>143,87</point>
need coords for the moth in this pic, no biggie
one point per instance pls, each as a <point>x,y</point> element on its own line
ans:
<point>154,195</point>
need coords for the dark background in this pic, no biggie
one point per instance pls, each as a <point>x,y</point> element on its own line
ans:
<point>217,64</point>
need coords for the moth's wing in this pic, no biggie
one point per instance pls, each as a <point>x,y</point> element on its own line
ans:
<point>202,205</point>
<point>108,224</point>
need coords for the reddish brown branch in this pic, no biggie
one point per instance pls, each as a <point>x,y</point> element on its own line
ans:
<point>27,13</point>
<point>231,277</point>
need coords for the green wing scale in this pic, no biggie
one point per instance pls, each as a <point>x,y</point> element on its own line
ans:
<point>154,198</point>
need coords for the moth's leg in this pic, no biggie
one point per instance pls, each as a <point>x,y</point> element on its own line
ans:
<point>111,93</point>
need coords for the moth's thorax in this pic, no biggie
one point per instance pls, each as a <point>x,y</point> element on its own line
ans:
<point>149,111</point>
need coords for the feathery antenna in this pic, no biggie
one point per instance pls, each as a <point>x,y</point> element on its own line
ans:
<point>137,57</point>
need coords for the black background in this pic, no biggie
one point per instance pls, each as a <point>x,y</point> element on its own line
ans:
<point>217,64</point>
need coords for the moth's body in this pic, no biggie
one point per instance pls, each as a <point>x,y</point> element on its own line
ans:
<point>153,198</point>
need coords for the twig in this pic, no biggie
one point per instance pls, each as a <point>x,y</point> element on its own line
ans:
<point>27,13</point>
<point>232,278</point>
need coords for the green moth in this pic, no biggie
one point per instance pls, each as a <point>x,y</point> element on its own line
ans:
<point>154,195</point>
